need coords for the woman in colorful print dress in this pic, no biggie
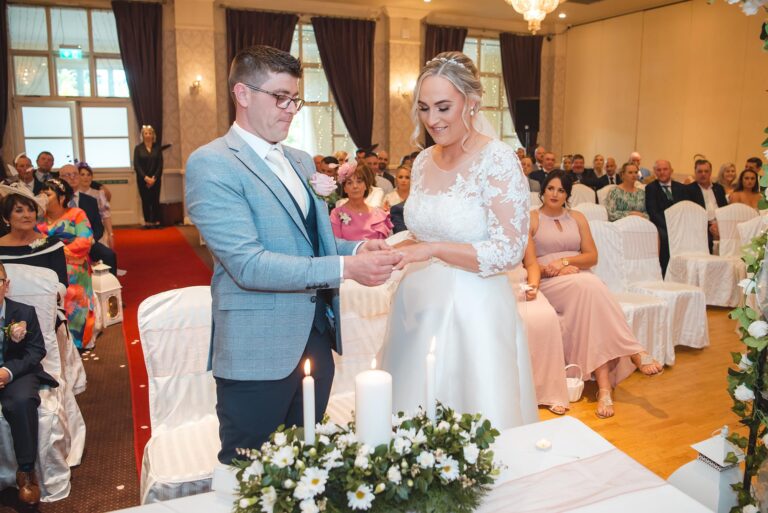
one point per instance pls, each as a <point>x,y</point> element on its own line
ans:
<point>71,226</point>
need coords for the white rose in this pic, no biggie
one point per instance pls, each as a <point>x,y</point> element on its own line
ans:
<point>758,329</point>
<point>743,393</point>
<point>394,475</point>
<point>745,363</point>
<point>471,452</point>
<point>256,469</point>
<point>426,459</point>
<point>401,445</point>
<point>280,439</point>
<point>361,462</point>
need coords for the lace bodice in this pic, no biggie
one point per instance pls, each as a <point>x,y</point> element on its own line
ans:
<point>484,201</point>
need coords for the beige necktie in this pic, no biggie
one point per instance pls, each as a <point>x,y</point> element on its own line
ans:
<point>289,177</point>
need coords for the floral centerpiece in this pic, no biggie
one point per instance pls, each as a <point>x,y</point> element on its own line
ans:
<point>445,466</point>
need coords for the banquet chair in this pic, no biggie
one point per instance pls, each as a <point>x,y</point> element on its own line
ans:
<point>728,219</point>
<point>602,193</point>
<point>646,315</point>
<point>748,230</point>
<point>582,194</point>
<point>175,332</point>
<point>37,287</point>
<point>686,304</point>
<point>592,211</point>
<point>535,200</point>
<point>690,261</point>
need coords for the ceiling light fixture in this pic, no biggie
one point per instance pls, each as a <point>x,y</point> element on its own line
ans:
<point>534,11</point>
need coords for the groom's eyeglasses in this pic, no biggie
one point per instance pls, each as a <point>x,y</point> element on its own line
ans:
<point>281,100</point>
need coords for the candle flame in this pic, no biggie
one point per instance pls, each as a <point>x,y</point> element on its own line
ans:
<point>373,363</point>
<point>307,367</point>
<point>432,346</point>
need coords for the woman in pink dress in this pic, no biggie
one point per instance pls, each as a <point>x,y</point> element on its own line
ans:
<point>356,220</point>
<point>595,333</point>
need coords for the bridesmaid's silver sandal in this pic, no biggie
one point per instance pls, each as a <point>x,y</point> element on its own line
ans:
<point>604,404</point>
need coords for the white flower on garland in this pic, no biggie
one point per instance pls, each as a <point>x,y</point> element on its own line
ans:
<point>283,457</point>
<point>420,438</point>
<point>758,329</point>
<point>401,445</point>
<point>750,7</point>
<point>312,483</point>
<point>309,506</point>
<point>361,461</point>
<point>743,393</point>
<point>394,475</point>
<point>342,441</point>
<point>327,429</point>
<point>362,498</point>
<point>280,439</point>
<point>426,459</point>
<point>750,508</point>
<point>443,426</point>
<point>449,468</point>
<point>324,440</point>
<point>255,470</point>
<point>268,499</point>
<point>288,484</point>
<point>471,452</point>
<point>745,363</point>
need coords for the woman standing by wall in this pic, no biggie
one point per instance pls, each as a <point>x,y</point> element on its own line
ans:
<point>148,163</point>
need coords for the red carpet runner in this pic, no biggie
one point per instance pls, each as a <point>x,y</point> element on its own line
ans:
<point>156,261</point>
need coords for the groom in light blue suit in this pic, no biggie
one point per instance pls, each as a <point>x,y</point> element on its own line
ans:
<point>277,265</point>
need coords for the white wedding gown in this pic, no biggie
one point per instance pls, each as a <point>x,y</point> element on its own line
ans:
<point>482,360</point>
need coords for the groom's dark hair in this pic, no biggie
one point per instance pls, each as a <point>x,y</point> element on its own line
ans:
<point>252,64</point>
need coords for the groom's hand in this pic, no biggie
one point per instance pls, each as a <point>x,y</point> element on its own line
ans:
<point>374,245</point>
<point>372,267</point>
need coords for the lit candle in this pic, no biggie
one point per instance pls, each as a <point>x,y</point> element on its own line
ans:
<point>373,406</point>
<point>308,391</point>
<point>431,402</point>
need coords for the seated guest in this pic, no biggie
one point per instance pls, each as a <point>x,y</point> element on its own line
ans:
<point>579,174</point>
<point>595,333</point>
<point>547,166</point>
<point>727,177</point>
<point>22,244</point>
<point>747,189</point>
<point>342,157</point>
<point>402,190</point>
<point>44,169</point>
<point>384,168</point>
<point>355,219</point>
<point>21,375</point>
<point>317,159</point>
<point>375,197</point>
<point>566,163</point>
<point>372,162</point>
<point>71,226</point>
<point>644,174</point>
<point>626,199</point>
<point>406,161</point>
<point>598,165</point>
<point>708,195</point>
<point>397,216</point>
<point>527,164</point>
<point>610,177</point>
<point>520,152</point>
<point>86,179</point>
<point>26,172</point>
<point>661,194</point>
<point>545,341</point>
<point>755,164</point>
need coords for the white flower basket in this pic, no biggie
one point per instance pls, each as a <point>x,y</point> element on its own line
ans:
<point>575,385</point>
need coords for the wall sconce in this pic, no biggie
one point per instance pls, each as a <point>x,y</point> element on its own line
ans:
<point>406,91</point>
<point>196,84</point>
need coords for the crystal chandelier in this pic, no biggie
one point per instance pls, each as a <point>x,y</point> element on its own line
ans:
<point>534,11</point>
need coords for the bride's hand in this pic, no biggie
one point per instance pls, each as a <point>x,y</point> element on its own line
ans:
<point>418,252</point>
<point>374,245</point>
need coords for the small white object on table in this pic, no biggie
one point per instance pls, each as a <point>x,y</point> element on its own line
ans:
<point>571,441</point>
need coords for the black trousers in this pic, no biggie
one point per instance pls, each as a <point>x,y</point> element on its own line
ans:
<point>19,400</point>
<point>150,201</point>
<point>101,252</point>
<point>250,411</point>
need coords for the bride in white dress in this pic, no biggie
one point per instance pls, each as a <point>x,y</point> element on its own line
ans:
<point>468,212</point>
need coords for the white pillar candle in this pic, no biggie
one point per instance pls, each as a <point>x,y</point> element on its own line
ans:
<point>373,406</point>
<point>308,392</point>
<point>431,401</point>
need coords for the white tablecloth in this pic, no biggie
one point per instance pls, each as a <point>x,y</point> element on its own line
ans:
<point>571,441</point>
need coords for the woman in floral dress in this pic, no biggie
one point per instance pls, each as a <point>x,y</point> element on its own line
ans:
<point>71,226</point>
<point>626,199</point>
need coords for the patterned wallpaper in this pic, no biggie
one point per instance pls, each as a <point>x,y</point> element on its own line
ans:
<point>404,66</point>
<point>552,94</point>
<point>171,126</point>
<point>380,133</point>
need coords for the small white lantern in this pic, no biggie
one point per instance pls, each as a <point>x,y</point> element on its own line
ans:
<point>709,477</point>
<point>107,290</point>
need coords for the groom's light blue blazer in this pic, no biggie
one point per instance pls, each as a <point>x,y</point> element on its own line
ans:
<point>266,277</point>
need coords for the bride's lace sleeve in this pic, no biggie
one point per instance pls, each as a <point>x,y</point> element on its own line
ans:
<point>508,199</point>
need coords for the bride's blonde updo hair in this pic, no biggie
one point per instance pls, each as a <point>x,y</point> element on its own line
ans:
<point>460,71</point>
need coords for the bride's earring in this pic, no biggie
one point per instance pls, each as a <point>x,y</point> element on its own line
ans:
<point>472,111</point>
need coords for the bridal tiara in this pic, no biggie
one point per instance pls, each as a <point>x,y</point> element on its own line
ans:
<point>448,61</point>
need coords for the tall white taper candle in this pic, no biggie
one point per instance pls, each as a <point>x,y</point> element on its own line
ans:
<point>431,401</point>
<point>308,393</point>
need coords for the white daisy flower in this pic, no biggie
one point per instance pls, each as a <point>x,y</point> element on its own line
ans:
<point>361,498</point>
<point>401,445</point>
<point>283,457</point>
<point>449,468</point>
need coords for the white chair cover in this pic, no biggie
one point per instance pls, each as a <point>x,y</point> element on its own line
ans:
<point>535,200</point>
<point>728,219</point>
<point>748,230</point>
<point>687,304</point>
<point>175,331</point>
<point>37,287</point>
<point>602,194</point>
<point>690,261</point>
<point>647,316</point>
<point>582,194</point>
<point>592,211</point>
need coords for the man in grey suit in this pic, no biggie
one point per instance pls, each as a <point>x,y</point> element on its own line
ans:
<point>277,265</point>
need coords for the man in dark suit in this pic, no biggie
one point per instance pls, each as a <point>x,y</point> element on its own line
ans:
<point>659,196</point>
<point>21,374</point>
<point>579,174</point>
<point>708,195</point>
<point>397,216</point>
<point>90,206</point>
<point>548,165</point>
<point>23,165</point>
<point>610,177</point>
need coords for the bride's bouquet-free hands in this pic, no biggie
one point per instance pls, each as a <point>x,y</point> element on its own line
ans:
<point>414,251</point>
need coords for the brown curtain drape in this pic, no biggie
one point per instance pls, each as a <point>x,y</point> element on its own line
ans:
<point>521,68</point>
<point>441,39</point>
<point>346,51</point>
<point>140,35</point>
<point>4,41</point>
<point>249,28</point>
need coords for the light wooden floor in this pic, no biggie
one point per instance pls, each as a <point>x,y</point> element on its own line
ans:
<point>657,419</point>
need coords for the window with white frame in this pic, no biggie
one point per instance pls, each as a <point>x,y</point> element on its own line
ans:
<point>486,54</point>
<point>69,86</point>
<point>317,128</point>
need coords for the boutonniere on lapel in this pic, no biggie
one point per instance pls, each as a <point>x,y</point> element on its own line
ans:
<point>344,217</point>
<point>324,187</point>
<point>16,331</point>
